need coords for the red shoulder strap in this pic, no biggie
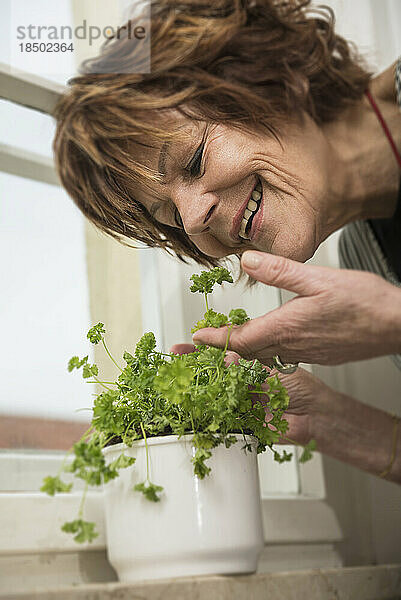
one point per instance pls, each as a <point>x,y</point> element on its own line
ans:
<point>385,128</point>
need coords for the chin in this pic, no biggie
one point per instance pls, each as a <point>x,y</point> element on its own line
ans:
<point>210,246</point>
<point>297,243</point>
<point>302,254</point>
<point>299,250</point>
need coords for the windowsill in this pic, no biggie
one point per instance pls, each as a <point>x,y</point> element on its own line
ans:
<point>300,531</point>
<point>352,583</point>
<point>30,522</point>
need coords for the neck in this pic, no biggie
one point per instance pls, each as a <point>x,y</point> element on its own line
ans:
<point>365,171</point>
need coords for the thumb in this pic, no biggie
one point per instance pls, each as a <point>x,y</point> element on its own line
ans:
<point>283,273</point>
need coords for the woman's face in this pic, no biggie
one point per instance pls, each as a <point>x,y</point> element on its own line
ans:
<point>232,191</point>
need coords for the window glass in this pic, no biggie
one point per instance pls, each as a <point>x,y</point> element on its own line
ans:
<point>15,18</point>
<point>44,305</point>
<point>26,129</point>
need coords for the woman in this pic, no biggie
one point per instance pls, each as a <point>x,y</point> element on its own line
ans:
<point>252,132</point>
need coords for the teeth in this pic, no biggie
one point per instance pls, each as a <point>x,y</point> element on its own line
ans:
<point>242,230</point>
<point>251,208</point>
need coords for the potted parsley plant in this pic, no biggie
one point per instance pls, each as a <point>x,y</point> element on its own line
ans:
<point>174,442</point>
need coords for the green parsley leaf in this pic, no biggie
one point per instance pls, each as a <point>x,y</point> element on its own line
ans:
<point>52,485</point>
<point>149,490</point>
<point>200,469</point>
<point>238,316</point>
<point>230,440</point>
<point>307,451</point>
<point>122,462</point>
<point>281,458</point>
<point>211,319</point>
<point>84,530</point>
<point>253,370</point>
<point>95,334</point>
<point>205,281</point>
<point>76,363</point>
<point>173,380</point>
<point>146,345</point>
<point>90,371</point>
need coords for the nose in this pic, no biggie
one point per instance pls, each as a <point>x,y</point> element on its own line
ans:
<point>195,208</point>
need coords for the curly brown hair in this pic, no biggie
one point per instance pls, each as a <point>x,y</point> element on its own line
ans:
<point>249,63</point>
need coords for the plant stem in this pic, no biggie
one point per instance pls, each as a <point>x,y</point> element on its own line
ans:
<point>228,338</point>
<point>292,442</point>
<point>107,350</point>
<point>87,432</point>
<point>226,345</point>
<point>147,452</point>
<point>207,305</point>
<point>83,436</point>
<point>106,440</point>
<point>126,431</point>
<point>102,382</point>
<point>81,506</point>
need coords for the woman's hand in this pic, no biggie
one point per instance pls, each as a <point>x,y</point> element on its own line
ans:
<point>342,427</point>
<point>307,394</point>
<point>338,315</point>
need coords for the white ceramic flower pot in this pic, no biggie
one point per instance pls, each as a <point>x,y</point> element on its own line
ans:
<point>200,526</point>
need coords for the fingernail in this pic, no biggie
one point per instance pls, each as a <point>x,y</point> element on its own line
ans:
<point>251,259</point>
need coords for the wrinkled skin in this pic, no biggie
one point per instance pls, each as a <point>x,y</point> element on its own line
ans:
<point>297,175</point>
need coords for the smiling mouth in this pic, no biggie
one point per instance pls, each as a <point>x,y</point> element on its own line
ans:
<point>250,211</point>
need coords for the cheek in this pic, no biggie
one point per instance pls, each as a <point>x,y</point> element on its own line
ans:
<point>295,241</point>
<point>210,246</point>
<point>292,223</point>
<point>290,228</point>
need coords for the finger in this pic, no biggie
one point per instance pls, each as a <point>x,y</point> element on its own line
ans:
<point>305,280</point>
<point>182,348</point>
<point>211,336</point>
<point>231,357</point>
<point>247,340</point>
<point>260,338</point>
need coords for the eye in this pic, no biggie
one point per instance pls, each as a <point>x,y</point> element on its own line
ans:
<point>194,166</point>
<point>177,219</point>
